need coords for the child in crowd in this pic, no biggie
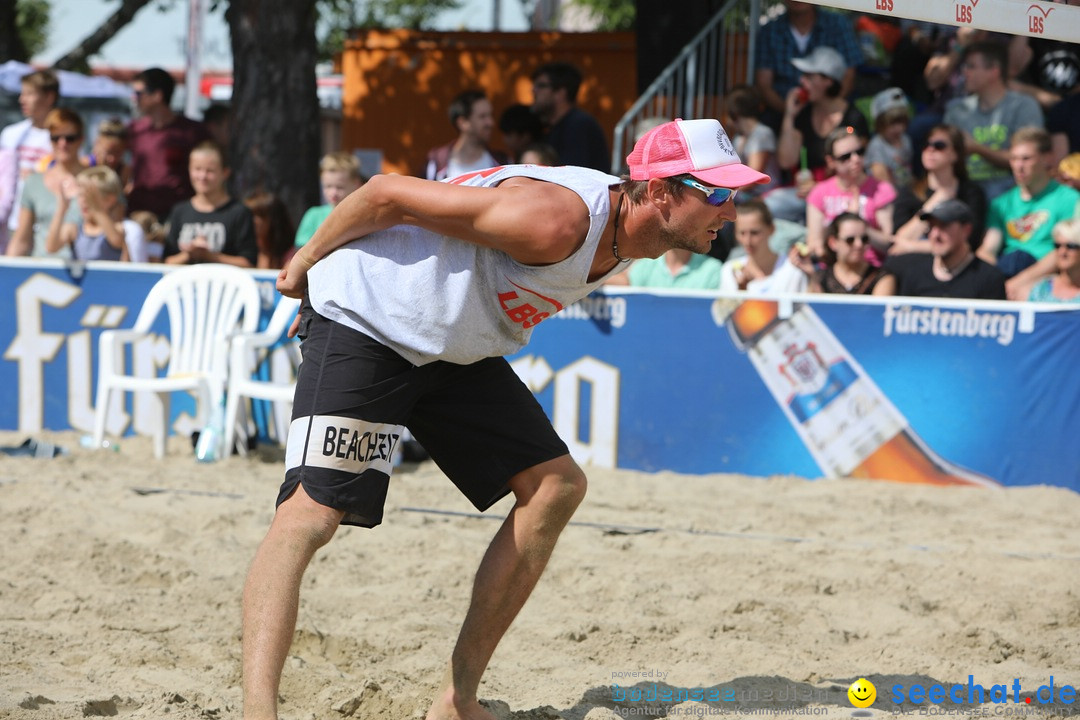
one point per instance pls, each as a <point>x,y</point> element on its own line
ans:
<point>211,227</point>
<point>154,232</point>
<point>889,153</point>
<point>754,141</point>
<point>110,147</point>
<point>539,154</point>
<point>102,233</point>
<point>339,175</point>
<point>520,128</point>
<point>274,231</point>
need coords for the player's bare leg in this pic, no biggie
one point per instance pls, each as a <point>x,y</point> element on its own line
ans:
<point>547,496</point>
<point>272,594</point>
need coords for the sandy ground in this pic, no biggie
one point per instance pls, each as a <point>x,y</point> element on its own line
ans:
<point>120,581</point>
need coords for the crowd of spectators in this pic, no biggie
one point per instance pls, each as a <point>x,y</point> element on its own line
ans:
<point>158,189</point>
<point>967,134</point>
<point>951,171</point>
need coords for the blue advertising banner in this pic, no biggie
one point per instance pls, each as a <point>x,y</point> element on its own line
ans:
<point>913,390</point>
<point>53,314</point>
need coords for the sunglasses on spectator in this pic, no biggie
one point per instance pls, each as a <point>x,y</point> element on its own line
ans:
<point>1070,246</point>
<point>541,85</point>
<point>939,145</point>
<point>864,239</point>
<point>715,196</point>
<point>68,138</point>
<point>847,156</point>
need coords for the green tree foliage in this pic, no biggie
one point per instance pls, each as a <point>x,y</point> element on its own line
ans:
<point>338,17</point>
<point>609,14</point>
<point>32,18</point>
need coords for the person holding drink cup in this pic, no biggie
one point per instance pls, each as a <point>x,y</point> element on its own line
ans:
<point>812,110</point>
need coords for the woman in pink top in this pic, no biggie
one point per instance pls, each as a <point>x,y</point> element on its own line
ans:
<point>850,189</point>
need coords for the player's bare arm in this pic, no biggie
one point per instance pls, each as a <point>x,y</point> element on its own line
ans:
<point>532,221</point>
<point>535,222</point>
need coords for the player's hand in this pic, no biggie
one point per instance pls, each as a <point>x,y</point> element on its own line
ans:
<point>295,327</point>
<point>292,280</point>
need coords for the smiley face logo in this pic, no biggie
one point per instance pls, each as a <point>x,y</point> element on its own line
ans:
<point>862,693</point>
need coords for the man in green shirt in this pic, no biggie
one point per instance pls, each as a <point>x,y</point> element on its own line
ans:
<point>1019,222</point>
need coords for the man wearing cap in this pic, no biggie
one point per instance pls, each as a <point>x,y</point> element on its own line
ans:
<point>796,33</point>
<point>429,285</point>
<point>951,269</point>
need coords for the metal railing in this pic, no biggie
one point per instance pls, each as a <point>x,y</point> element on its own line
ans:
<point>694,84</point>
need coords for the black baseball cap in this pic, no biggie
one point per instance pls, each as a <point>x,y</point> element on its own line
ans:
<point>949,211</point>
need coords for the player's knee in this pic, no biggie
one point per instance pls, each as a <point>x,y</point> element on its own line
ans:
<point>306,521</point>
<point>564,490</point>
<point>574,486</point>
<point>320,530</point>
<point>558,484</point>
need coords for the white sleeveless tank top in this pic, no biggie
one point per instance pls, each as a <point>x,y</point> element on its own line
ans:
<point>431,297</point>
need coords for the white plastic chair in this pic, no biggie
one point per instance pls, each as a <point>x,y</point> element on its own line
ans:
<point>206,305</point>
<point>243,360</point>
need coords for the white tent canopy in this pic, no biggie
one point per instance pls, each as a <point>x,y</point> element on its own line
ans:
<point>72,84</point>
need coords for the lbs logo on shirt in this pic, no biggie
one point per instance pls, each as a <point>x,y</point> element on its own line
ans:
<point>527,308</point>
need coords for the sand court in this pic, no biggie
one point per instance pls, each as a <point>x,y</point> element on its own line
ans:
<point>668,596</point>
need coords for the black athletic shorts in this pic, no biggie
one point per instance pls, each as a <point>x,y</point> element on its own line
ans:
<point>479,422</point>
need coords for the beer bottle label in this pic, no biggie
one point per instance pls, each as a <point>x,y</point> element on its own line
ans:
<point>837,410</point>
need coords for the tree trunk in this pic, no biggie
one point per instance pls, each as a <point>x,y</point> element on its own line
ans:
<point>11,44</point>
<point>275,125</point>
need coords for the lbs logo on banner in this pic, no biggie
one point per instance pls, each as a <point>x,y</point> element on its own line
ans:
<point>1037,18</point>
<point>965,12</point>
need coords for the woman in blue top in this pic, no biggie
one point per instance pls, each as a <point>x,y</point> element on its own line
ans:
<point>1064,285</point>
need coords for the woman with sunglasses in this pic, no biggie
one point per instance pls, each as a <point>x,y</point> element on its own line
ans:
<point>946,179</point>
<point>39,197</point>
<point>846,271</point>
<point>1064,285</point>
<point>851,190</point>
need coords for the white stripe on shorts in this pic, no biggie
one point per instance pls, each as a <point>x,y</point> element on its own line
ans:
<point>341,443</point>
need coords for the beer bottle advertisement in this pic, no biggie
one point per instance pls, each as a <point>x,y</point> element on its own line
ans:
<point>846,422</point>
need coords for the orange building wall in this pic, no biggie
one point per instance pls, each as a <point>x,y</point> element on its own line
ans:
<point>399,83</point>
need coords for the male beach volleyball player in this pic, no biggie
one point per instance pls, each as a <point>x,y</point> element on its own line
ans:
<point>429,285</point>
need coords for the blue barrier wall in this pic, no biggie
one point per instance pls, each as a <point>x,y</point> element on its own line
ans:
<point>655,381</point>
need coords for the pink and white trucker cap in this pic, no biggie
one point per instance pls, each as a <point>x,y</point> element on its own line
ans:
<point>698,147</point>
